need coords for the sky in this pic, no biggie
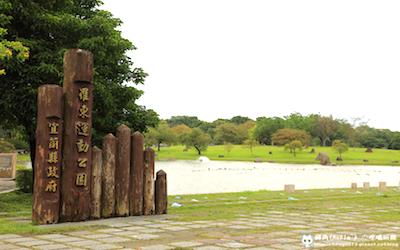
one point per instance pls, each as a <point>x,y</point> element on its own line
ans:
<point>221,58</point>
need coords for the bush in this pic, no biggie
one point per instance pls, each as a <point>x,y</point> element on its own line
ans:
<point>6,147</point>
<point>23,180</point>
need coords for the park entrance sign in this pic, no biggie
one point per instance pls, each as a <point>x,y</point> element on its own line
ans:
<point>75,181</point>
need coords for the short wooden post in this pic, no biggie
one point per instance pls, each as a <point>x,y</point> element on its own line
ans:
<point>137,174</point>
<point>96,183</point>
<point>122,171</point>
<point>148,201</point>
<point>289,188</point>
<point>108,176</point>
<point>161,198</point>
<point>366,185</point>
<point>46,191</point>
<point>77,155</point>
<point>354,186</point>
<point>382,186</point>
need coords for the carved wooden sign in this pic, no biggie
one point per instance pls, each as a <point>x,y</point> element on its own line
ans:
<point>46,199</point>
<point>77,155</point>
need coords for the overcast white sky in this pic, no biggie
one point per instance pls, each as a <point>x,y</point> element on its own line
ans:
<point>221,58</point>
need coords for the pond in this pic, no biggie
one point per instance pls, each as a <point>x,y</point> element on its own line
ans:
<point>196,177</point>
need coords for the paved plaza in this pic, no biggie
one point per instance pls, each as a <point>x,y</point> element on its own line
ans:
<point>263,230</point>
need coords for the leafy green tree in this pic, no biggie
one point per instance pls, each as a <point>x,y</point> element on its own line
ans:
<point>180,132</point>
<point>190,121</point>
<point>287,135</point>
<point>197,139</point>
<point>293,146</point>
<point>159,135</point>
<point>48,28</point>
<point>266,127</point>
<point>325,129</point>
<point>298,121</point>
<point>340,147</point>
<point>239,119</point>
<point>251,141</point>
<point>6,147</point>
<point>228,133</point>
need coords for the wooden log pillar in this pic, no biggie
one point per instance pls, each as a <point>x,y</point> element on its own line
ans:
<point>97,166</point>
<point>77,155</point>
<point>108,176</point>
<point>122,171</point>
<point>161,198</point>
<point>136,175</point>
<point>148,177</point>
<point>46,190</point>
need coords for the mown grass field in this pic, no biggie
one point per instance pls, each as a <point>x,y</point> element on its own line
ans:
<point>355,156</point>
<point>225,206</point>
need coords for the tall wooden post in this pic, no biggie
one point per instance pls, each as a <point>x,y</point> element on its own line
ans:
<point>97,167</point>
<point>148,201</point>
<point>108,176</point>
<point>46,191</point>
<point>122,171</point>
<point>136,178</point>
<point>77,155</point>
<point>161,198</point>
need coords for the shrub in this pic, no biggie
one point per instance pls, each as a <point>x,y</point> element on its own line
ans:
<point>23,179</point>
<point>6,147</point>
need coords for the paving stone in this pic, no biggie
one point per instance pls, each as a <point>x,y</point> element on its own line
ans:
<point>146,236</point>
<point>239,227</point>
<point>156,225</point>
<point>51,247</point>
<point>126,234</point>
<point>33,242</point>
<point>68,239</point>
<point>209,248</point>
<point>286,247</point>
<point>18,239</point>
<point>186,244</point>
<point>234,244</point>
<point>103,247</point>
<point>9,236</point>
<point>97,236</point>
<point>80,233</point>
<point>114,240</point>
<point>51,236</point>
<point>8,247</point>
<point>133,228</point>
<point>156,247</point>
<point>110,230</point>
<point>150,230</point>
<point>141,223</point>
<point>120,225</point>
<point>198,226</point>
<point>175,228</point>
<point>260,248</point>
<point>83,243</point>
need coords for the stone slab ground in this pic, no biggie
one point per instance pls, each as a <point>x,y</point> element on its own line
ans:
<point>263,230</point>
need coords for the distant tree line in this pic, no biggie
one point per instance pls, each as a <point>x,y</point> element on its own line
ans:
<point>309,130</point>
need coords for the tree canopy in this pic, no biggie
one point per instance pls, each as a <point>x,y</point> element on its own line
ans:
<point>48,28</point>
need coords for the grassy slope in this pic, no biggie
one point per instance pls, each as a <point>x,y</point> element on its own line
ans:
<point>354,156</point>
<point>226,206</point>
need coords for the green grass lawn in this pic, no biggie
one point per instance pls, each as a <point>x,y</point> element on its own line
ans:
<point>225,206</point>
<point>355,156</point>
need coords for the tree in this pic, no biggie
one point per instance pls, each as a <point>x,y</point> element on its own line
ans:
<point>287,135</point>
<point>251,141</point>
<point>159,135</point>
<point>325,128</point>
<point>227,133</point>
<point>197,139</point>
<point>48,28</point>
<point>293,146</point>
<point>190,121</point>
<point>239,119</point>
<point>298,121</point>
<point>180,132</point>
<point>340,147</point>
<point>265,127</point>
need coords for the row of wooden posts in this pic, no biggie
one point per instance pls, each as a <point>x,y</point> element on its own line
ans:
<point>123,180</point>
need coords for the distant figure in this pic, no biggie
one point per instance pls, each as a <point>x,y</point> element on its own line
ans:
<point>323,159</point>
<point>312,151</point>
<point>369,150</point>
<point>270,152</point>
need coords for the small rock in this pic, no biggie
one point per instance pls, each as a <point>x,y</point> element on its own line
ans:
<point>368,150</point>
<point>194,200</point>
<point>290,198</point>
<point>221,156</point>
<point>176,204</point>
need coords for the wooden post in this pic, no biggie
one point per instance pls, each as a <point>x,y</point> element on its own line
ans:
<point>122,171</point>
<point>97,167</point>
<point>382,186</point>
<point>289,188</point>
<point>108,176</point>
<point>46,191</point>
<point>77,155</point>
<point>148,200</point>
<point>137,174</point>
<point>161,202</point>
<point>366,185</point>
